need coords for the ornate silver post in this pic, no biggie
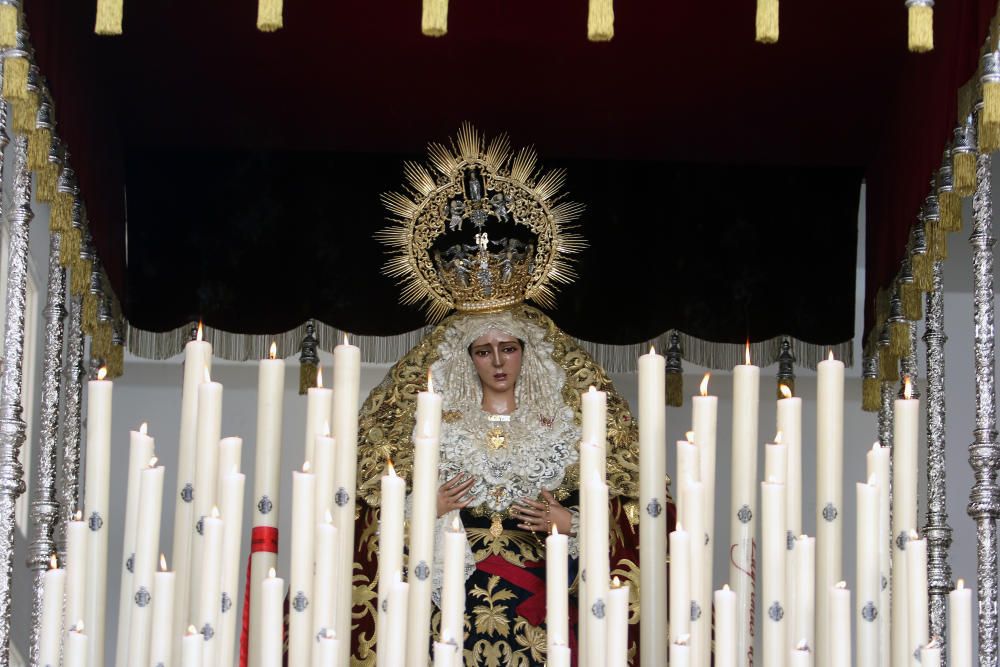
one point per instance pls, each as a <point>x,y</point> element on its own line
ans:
<point>983,452</point>
<point>12,427</point>
<point>44,506</point>
<point>885,414</point>
<point>908,364</point>
<point>937,531</point>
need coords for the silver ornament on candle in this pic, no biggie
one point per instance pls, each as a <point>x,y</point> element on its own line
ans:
<point>984,454</point>
<point>908,365</point>
<point>44,505</point>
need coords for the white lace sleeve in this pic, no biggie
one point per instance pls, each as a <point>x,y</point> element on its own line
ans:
<point>437,569</point>
<point>573,543</point>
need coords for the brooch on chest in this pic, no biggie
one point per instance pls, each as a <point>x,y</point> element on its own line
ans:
<point>496,435</point>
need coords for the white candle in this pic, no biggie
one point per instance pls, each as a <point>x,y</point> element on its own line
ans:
<point>346,383</point>
<point>559,656</point>
<point>688,470</point>
<point>805,590</point>
<point>319,403</point>
<point>76,570</point>
<point>680,654</point>
<point>146,549</point>
<point>206,481</point>
<point>746,398</point>
<point>773,536</point>
<point>725,628</point>
<point>453,587</point>
<point>324,584</point>
<point>904,517</point>
<point>700,609</point>
<point>829,494</point>
<point>960,625</point>
<point>197,359</point>
<point>300,594</point>
<point>98,470</point>
<point>916,570</point>
<point>76,650</point>
<point>776,463</point>
<point>230,461</point>
<point>556,589</point>
<point>617,624</point>
<point>140,451</point>
<point>704,417</point>
<point>396,610</point>
<point>266,486</point>
<point>930,654</point>
<point>595,518</point>
<point>789,424</point>
<point>390,541</point>
<point>209,607</point>
<point>594,417</point>
<point>423,516</point>
<point>325,452</point>
<point>328,649</point>
<point>867,571</point>
<point>231,497</point>
<point>162,639</point>
<point>680,584</point>
<point>191,648</point>
<point>50,632</point>
<point>840,626</point>
<point>801,656</point>
<point>272,595</point>
<point>652,501</point>
<point>878,466</point>
<point>428,415</point>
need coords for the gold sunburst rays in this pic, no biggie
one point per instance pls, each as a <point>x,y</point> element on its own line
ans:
<point>399,204</point>
<point>550,184</point>
<point>419,178</point>
<point>524,164</point>
<point>469,142</point>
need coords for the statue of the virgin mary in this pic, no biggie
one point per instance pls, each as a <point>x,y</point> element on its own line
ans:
<point>481,232</point>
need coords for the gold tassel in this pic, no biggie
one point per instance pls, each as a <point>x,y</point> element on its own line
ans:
<point>307,377</point>
<point>116,361</point>
<point>15,78</point>
<point>991,103</point>
<point>911,298</point>
<point>61,218</point>
<point>899,338</point>
<point>69,247</point>
<point>920,36</point>
<point>675,389</point>
<point>79,277</point>
<point>8,26</point>
<point>767,21</point>
<point>89,321</point>
<point>951,211</point>
<point>871,395</point>
<point>601,20</point>
<point>923,272</point>
<point>100,343</point>
<point>109,17</point>
<point>23,120</point>
<point>434,22</point>
<point>988,135</point>
<point>39,143</point>
<point>888,366</point>
<point>964,167</point>
<point>46,179</point>
<point>269,16</point>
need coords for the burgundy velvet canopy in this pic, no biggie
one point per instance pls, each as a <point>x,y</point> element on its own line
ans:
<point>721,176</point>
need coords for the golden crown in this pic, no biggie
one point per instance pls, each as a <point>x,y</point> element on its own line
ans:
<point>485,232</point>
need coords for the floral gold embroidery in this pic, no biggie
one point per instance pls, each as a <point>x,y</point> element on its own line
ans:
<point>491,618</point>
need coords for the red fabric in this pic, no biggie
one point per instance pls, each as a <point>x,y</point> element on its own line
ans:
<point>262,538</point>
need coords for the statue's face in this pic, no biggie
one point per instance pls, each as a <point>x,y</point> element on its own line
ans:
<point>497,357</point>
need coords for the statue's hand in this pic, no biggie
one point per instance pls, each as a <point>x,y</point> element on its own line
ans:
<point>451,494</point>
<point>541,516</point>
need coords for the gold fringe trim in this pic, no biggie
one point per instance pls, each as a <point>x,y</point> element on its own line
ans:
<point>23,120</point>
<point>39,143</point>
<point>964,172</point>
<point>923,272</point>
<point>899,339</point>
<point>69,248</point>
<point>116,362</point>
<point>109,17</point>
<point>767,21</point>
<point>61,218</point>
<point>937,241</point>
<point>920,36</point>
<point>100,343</point>
<point>434,21</point>
<point>601,20</point>
<point>307,377</point>
<point>888,366</point>
<point>911,300</point>
<point>988,135</point>
<point>675,389</point>
<point>269,15</point>
<point>951,211</point>
<point>79,277</point>
<point>991,102</point>
<point>89,323</point>
<point>15,78</point>
<point>8,26</point>
<point>46,180</point>
<point>871,395</point>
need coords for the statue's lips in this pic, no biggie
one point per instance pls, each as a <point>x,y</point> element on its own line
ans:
<point>499,376</point>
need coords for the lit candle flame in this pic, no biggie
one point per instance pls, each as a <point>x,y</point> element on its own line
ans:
<point>152,462</point>
<point>907,388</point>
<point>777,437</point>
<point>803,645</point>
<point>555,529</point>
<point>163,563</point>
<point>78,516</point>
<point>319,377</point>
<point>725,587</point>
<point>682,640</point>
<point>306,466</point>
<point>328,633</point>
<point>704,384</point>
<point>273,352</point>
<point>840,585</point>
<point>144,428</point>
<point>193,630</point>
<point>455,526</point>
<point>616,582</point>
<point>102,373</point>
<point>201,333</point>
<point>679,527</point>
<point>592,389</point>
<point>235,470</point>
<point>327,517</point>
<point>53,562</point>
<point>271,574</point>
<point>960,584</point>
<point>652,348</point>
<point>326,429</point>
<point>346,342</point>
<point>430,381</point>
<point>747,353</point>
<point>689,436</point>
<point>78,628</point>
<point>215,512</point>
<point>207,377</point>
<point>876,446</point>
<point>785,391</point>
<point>391,468</point>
